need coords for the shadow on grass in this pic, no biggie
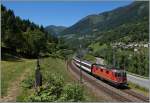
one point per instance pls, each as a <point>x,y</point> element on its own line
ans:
<point>10,57</point>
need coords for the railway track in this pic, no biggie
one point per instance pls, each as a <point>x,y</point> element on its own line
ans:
<point>118,95</point>
<point>141,97</point>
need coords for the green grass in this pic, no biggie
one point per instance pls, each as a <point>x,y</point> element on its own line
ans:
<point>11,70</point>
<point>90,58</point>
<point>138,88</point>
<point>95,46</point>
<point>56,66</point>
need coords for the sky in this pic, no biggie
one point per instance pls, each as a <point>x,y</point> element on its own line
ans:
<point>60,13</point>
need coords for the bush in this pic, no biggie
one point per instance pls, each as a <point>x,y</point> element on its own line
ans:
<point>28,82</point>
<point>89,57</point>
<point>55,89</point>
<point>72,93</point>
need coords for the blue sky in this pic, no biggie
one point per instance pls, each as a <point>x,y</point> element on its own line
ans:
<point>60,13</point>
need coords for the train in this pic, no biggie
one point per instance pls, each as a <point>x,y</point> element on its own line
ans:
<point>113,75</point>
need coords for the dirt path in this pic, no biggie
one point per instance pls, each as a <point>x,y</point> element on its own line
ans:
<point>14,89</point>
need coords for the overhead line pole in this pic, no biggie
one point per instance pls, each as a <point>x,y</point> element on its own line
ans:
<point>80,64</point>
<point>114,62</point>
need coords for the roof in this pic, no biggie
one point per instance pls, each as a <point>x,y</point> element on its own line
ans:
<point>108,67</point>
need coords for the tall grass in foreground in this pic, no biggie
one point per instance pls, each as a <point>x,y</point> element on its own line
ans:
<point>11,70</point>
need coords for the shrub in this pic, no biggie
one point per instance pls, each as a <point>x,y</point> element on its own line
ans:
<point>55,89</point>
<point>28,82</point>
<point>89,57</point>
<point>72,93</point>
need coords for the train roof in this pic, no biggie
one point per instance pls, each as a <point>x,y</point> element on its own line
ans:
<point>84,61</point>
<point>87,62</point>
<point>108,67</point>
<point>100,65</point>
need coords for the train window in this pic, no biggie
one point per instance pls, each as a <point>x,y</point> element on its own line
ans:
<point>107,72</point>
<point>101,70</point>
<point>124,74</point>
<point>117,74</point>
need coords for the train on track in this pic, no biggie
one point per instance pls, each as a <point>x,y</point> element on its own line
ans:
<point>115,76</point>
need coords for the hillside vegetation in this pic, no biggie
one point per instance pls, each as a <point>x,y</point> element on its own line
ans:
<point>54,30</point>
<point>23,37</point>
<point>126,25</point>
<point>58,84</point>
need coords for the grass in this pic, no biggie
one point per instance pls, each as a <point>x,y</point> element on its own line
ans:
<point>11,70</point>
<point>138,88</point>
<point>58,67</point>
<point>90,58</point>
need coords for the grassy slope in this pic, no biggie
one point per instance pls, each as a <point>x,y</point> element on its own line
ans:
<point>138,88</point>
<point>11,70</point>
<point>90,58</point>
<point>56,66</point>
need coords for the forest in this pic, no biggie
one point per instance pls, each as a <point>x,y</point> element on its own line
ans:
<point>23,37</point>
<point>133,61</point>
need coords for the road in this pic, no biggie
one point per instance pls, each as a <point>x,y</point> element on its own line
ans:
<point>134,79</point>
<point>137,80</point>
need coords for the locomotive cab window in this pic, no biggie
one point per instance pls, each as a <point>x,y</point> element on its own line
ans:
<point>124,74</point>
<point>117,75</point>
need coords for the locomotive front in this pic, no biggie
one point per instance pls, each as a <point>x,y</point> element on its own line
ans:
<point>120,77</point>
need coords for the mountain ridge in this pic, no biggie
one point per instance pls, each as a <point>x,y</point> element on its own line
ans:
<point>109,17</point>
<point>128,23</point>
<point>54,30</point>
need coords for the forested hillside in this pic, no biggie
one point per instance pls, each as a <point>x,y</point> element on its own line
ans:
<point>54,30</point>
<point>119,36</point>
<point>23,37</point>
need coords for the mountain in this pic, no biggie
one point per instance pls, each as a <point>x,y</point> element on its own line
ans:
<point>122,23</point>
<point>108,20</point>
<point>54,30</point>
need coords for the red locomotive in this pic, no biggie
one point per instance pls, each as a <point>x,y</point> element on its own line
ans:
<point>113,75</point>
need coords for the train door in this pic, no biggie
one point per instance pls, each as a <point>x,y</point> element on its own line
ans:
<point>113,76</point>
